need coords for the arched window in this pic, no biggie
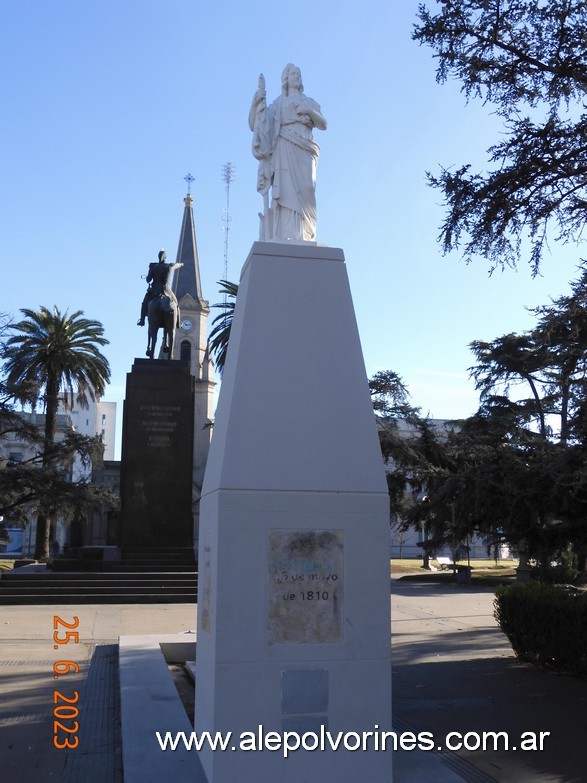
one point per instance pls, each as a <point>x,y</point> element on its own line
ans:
<point>185,350</point>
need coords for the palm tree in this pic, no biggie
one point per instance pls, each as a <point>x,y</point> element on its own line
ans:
<point>222,324</point>
<point>52,356</point>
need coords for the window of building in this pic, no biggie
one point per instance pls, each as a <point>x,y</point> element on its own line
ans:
<point>185,350</point>
<point>103,419</point>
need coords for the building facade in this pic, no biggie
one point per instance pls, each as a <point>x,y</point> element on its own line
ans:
<point>14,449</point>
<point>98,419</point>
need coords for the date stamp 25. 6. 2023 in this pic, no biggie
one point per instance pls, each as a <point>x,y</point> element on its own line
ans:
<point>66,709</point>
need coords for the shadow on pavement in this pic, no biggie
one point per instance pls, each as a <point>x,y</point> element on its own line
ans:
<point>498,694</point>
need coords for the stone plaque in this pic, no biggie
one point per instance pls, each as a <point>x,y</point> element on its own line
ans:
<point>305,586</point>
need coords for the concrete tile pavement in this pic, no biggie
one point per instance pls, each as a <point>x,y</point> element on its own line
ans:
<point>27,687</point>
<point>452,671</point>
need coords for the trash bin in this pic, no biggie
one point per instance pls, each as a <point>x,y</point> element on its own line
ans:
<point>463,575</point>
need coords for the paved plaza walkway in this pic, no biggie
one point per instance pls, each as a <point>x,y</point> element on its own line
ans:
<point>453,671</point>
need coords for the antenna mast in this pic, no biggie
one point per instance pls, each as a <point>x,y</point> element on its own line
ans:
<point>227,177</point>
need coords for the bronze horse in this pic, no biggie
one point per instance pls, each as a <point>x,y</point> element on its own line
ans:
<point>160,306</point>
<point>162,313</point>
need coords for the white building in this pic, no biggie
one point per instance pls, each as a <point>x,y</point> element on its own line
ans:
<point>14,449</point>
<point>98,419</point>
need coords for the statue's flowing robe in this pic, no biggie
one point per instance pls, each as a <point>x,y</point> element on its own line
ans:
<point>288,155</point>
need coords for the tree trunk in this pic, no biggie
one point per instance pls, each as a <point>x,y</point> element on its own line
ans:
<point>44,516</point>
<point>42,536</point>
<point>539,404</point>
<point>565,395</point>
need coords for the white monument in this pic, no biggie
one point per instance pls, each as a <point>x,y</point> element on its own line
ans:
<point>287,154</point>
<point>293,611</point>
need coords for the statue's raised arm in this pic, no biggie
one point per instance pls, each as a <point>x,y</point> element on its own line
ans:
<point>287,154</point>
<point>259,103</point>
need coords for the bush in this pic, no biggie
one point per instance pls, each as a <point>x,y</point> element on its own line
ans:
<point>546,625</point>
<point>562,570</point>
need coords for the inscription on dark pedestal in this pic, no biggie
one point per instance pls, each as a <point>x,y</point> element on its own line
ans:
<point>157,454</point>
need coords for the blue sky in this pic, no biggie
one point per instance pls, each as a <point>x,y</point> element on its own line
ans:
<point>108,105</point>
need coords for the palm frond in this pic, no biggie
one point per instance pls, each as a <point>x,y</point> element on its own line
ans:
<point>222,324</point>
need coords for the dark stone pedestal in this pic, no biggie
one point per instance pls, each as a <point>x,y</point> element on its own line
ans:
<point>157,455</point>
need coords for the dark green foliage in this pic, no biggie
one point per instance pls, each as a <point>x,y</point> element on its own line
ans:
<point>546,625</point>
<point>533,409</point>
<point>516,471</point>
<point>222,324</point>
<point>45,481</point>
<point>49,352</point>
<point>561,571</point>
<point>415,450</point>
<point>47,356</point>
<point>391,404</point>
<point>391,398</point>
<point>528,59</point>
<point>548,363</point>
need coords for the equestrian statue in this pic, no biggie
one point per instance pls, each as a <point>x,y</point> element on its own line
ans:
<point>160,306</point>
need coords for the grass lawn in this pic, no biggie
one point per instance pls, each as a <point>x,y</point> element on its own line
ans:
<point>483,571</point>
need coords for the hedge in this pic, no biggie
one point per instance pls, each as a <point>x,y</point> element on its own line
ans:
<point>546,625</point>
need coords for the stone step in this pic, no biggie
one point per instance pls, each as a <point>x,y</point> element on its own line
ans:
<point>30,599</point>
<point>155,554</point>
<point>80,580</point>
<point>74,566</point>
<point>145,559</point>
<point>20,575</point>
<point>110,589</point>
<point>160,550</point>
<point>162,568</point>
<point>18,587</point>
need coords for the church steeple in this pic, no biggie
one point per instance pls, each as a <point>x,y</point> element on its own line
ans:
<point>186,279</point>
<point>191,339</point>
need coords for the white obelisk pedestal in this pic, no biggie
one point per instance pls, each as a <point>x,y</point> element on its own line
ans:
<point>293,607</point>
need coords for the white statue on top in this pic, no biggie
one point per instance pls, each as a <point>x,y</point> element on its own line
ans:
<point>287,155</point>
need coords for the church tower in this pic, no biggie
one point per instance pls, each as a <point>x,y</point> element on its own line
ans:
<point>191,339</point>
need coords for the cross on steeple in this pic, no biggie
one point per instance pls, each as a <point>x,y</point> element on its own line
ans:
<point>189,179</point>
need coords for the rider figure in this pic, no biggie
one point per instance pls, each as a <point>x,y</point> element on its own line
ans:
<point>158,279</point>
